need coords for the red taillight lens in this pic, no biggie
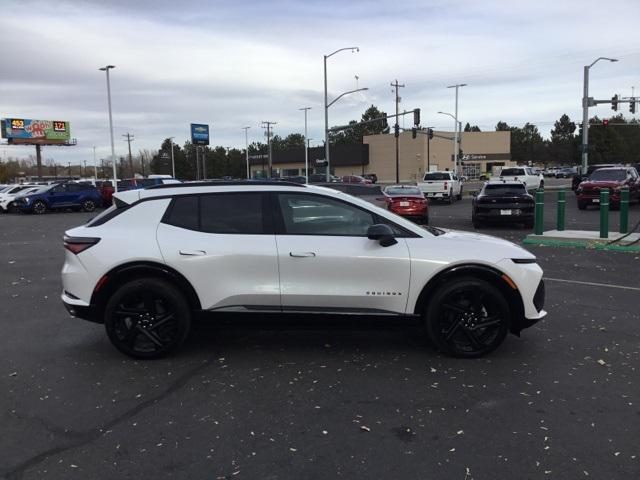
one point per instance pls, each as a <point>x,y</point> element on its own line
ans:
<point>445,185</point>
<point>79,244</point>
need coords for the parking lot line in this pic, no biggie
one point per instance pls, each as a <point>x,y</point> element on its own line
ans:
<point>592,284</point>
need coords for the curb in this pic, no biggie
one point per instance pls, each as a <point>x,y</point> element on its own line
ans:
<point>585,244</point>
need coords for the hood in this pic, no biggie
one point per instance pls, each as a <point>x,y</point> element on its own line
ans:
<point>500,247</point>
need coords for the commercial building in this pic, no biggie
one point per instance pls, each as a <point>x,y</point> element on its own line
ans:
<point>481,153</point>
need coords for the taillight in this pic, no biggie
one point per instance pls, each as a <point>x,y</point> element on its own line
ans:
<point>445,185</point>
<point>79,244</point>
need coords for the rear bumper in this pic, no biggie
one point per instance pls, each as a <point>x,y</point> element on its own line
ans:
<point>79,309</point>
<point>595,199</point>
<point>495,216</point>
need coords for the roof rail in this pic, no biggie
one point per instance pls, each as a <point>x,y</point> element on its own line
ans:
<point>223,183</point>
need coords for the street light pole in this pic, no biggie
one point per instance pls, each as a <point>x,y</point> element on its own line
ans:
<point>306,146</point>
<point>95,165</point>
<point>585,112</point>
<point>173,163</point>
<point>113,149</point>
<point>246,152</point>
<point>457,134</point>
<point>326,108</point>
<point>455,126</point>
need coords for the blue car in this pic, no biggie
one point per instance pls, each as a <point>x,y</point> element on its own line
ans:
<point>77,196</point>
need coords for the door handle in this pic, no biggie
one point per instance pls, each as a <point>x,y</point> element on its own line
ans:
<point>302,254</point>
<point>192,253</point>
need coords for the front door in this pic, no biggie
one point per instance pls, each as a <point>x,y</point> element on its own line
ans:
<point>327,263</point>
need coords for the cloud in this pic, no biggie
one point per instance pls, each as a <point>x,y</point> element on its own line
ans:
<point>233,64</point>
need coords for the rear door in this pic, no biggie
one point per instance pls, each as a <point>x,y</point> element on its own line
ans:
<point>59,196</point>
<point>224,244</point>
<point>327,263</point>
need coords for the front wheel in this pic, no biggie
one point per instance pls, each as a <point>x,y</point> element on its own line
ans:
<point>467,317</point>
<point>147,318</point>
<point>39,207</point>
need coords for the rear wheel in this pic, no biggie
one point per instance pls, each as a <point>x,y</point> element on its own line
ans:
<point>147,318</point>
<point>459,196</point>
<point>39,207</point>
<point>450,198</point>
<point>88,205</point>
<point>467,317</point>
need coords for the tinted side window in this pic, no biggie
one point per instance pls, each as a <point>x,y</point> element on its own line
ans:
<point>317,215</point>
<point>232,213</point>
<point>183,213</point>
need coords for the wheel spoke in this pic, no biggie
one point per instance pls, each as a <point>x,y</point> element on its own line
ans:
<point>150,335</point>
<point>132,332</point>
<point>149,302</point>
<point>129,312</point>
<point>487,322</point>
<point>161,320</point>
<point>452,330</point>
<point>476,300</point>
<point>475,341</point>
<point>454,308</point>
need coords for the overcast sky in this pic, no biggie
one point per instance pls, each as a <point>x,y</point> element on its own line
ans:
<point>233,64</point>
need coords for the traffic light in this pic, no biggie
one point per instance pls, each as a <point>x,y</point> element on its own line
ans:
<point>396,130</point>
<point>614,103</point>
<point>414,132</point>
<point>430,133</point>
<point>632,105</point>
<point>605,122</point>
<point>416,116</point>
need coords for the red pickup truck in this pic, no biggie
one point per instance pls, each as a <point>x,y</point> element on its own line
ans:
<point>615,179</point>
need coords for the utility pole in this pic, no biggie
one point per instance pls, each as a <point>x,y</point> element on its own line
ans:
<point>456,146</point>
<point>396,128</point>
<point>267,125</point>
<point>246,151</point>
<point>95,165</point>
<point>85,168</point>
<point>203,156</point>
<point>130,138</point>
<point>306,147</point>
<point>69,174</point>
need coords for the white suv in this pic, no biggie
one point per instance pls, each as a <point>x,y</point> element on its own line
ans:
<point>159,256</point>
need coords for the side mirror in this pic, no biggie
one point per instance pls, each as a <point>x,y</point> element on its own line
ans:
<point>382,233</point>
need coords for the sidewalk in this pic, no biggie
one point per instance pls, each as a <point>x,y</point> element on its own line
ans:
<point>586,239</point>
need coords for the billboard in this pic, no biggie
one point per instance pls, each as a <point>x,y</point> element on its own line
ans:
<point>199,134</point>
<point>28,131</point>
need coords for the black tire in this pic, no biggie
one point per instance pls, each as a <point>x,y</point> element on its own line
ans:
<point>459,196</point>
<point>456,312</point>
<point>39,207</point>
<point>529,224</point>
<point>147,318</point>
<point>541,184</point>
<point>425,220</point>
<point>582,205</point>
<point>450,198</point>
<point>88,205</point>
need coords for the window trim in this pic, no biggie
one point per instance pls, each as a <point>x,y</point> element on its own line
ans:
<point>280,228</point>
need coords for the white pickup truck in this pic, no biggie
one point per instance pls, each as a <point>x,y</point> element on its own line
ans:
<point>524,174</point>
<point>441,185</point>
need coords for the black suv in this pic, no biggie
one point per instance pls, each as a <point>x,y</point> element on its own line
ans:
<point>504,202</point>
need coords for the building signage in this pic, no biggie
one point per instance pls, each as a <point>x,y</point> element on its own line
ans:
<point>27,131</point>
<point>479,157</point>
<point>199,134</point>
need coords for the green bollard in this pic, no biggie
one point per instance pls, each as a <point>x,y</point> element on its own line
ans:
<point>561,205</point>
<point>604,213</point>
<point>539,213</point>
<point>624,210</point>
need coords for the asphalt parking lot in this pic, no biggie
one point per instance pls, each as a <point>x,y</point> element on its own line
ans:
<point>275,402</point>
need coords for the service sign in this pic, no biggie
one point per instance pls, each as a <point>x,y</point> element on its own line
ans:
<point>23,130</point>
<point>199,134</point>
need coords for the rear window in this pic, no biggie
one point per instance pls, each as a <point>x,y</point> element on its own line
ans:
<point>403,191</point>
<point>510,172</point>
<point>504,190</point>
<point>222,213</point>
<point>437,176</point>
<point>609,175</point>
<point>114,210</point>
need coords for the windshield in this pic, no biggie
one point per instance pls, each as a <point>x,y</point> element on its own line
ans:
<point>507,172</point>
<point>403,191</point>
<point>504,190</point>
<point>437,176</point>
<point>608,175</point>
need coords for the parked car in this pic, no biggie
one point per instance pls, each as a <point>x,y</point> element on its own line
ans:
<point>355,179</point>
<point>566,172</point>
<point>295,179</point>
<point>366,191</point>
<point>9,202</point>
<point>550,172</point>
<point>322,178</point>
<point>503,201</point>
<point>8,194</point>
<point>444,185</point>
<point>371,176</point>
<point>578,178</point>
<point>408,201</point>
<point>613,178</point>
<point>266,246</point>
<point>76,196</point>
<point>522,174</point>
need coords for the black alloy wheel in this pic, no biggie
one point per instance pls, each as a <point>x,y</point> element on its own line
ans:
<point>88,205</point>
<point>147,318</point>
<point>467,317</point>
<point>39,207</point>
